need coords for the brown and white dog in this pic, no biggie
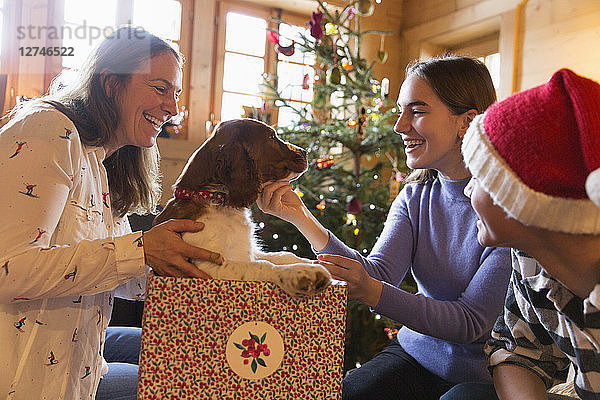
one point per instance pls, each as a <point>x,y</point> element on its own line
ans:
<point>220,181</point>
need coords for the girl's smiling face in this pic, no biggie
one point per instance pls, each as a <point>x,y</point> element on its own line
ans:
<point>431,132</point>
<point>148,100</point>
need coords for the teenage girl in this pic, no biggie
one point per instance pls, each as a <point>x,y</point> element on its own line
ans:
<point>431,231</point>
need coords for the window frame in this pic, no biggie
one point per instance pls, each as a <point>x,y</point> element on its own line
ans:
<point>270,58</point>
<point>219,65</point>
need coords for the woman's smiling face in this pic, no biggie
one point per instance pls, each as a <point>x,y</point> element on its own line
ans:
<point>148,100</point>
<point>429,129</point>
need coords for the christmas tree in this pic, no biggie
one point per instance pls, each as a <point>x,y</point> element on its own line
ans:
<point>357,161</point>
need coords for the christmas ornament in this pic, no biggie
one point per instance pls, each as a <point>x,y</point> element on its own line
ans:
<point>324,162</point>
<point>365,8</point>
<point>382,55</point>
<point>375,117</point>
<point>377,103</point>
<point>331,29</point>
<point>273,37</point>
<point>305,82</point>
<point>351,13</point>
<point>354,206</point>
<point>350,219</point>
<point>287,50</point>
<point>335,76</point>
<point>396,178</point>
<point>316,27</point>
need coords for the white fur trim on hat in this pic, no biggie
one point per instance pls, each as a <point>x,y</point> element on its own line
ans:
<point>592,186</point>
<point>519,200</point>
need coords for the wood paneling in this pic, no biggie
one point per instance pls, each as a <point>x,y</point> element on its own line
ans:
<point>544,36</point>
<point>557,34</point>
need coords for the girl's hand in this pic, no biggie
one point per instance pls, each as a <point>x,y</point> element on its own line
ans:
<point>278,199</point>
<point>168,255</point>
<point>361,286</point>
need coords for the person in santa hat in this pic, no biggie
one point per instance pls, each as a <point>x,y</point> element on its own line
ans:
<point>535,160</point>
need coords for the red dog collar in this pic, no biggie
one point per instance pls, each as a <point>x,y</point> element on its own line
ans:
<point>216,198</point>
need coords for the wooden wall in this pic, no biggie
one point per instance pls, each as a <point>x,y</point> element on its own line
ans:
<point>535,37</point>
<point>560,33</point>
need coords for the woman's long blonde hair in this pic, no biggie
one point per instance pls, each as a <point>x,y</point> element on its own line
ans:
<point>461,83</point>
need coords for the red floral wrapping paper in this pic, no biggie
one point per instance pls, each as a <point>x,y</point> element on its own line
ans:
<point>187,324</point>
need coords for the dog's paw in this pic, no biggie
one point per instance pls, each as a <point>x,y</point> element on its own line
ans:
<point>302,280</point>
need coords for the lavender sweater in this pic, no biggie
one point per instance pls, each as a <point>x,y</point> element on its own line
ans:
<point>431,230</point>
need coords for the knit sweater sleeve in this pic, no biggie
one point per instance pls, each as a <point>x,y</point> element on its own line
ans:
<point>461,316</point>
<point>390,259</point>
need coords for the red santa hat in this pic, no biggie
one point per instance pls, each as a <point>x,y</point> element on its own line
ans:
<point>537,154</point>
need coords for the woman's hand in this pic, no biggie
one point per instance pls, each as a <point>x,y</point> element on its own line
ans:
<point>279,199</point>
<point>167,254</point>
<point>361,286</point>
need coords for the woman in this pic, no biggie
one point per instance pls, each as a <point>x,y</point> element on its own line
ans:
<point>74,164</point>
<point>431,231</point>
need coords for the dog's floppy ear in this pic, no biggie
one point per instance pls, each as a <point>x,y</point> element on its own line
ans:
<point>236,169</point>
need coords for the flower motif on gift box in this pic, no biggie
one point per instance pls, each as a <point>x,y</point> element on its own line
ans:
<point>252,349</point>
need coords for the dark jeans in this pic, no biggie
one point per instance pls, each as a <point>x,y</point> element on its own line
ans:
<point>122,353</point>
<point>471,391</point>
<point>393,374</point>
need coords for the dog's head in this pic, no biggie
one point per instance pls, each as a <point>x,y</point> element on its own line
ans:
<point>241,156</point>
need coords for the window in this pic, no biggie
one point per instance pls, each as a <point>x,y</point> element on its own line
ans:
<point>492,62</point>
<point>87,22</point>
<point>168,26</point>
<point>244,55</point>
<point>244,63</point>
<point>295,76</point>
<point>80,17</point>
<point>1,24</point>
<point>486,50</point>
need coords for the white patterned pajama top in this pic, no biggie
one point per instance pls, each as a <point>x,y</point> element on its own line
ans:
<point>62,254</point>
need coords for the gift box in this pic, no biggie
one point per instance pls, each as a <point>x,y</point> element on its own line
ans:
<point>214,339</point>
